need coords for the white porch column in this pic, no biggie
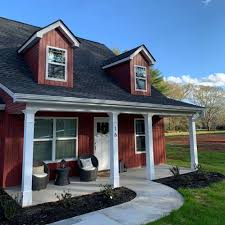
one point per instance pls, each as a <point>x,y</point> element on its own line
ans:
<point>26,188</point>
<point>150,167</point>
<point>193,143</point>
<point>114,154</point>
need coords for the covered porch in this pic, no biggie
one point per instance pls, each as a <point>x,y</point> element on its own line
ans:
<point>112,111</point>
<point>133,178</point>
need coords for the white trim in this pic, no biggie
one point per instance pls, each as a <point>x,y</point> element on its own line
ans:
<point>59,100</point>
<point>146,80</point>
<point>142,48</point>
<point>60,64</point>
<point>39,34</point>
<point>117,62</point>
<point>4,88</point>
<point>135,135</point>
<point>54,138</point>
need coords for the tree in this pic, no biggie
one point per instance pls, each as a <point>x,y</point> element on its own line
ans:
<point>212,98</point>
<point>116,51</point>
<point>157,81</point>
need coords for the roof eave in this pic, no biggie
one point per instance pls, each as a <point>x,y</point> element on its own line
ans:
<point>47,99</point>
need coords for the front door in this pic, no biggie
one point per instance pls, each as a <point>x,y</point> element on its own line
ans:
<point>101,142</point>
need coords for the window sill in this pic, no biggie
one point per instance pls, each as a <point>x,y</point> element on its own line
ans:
<point>137,153</point>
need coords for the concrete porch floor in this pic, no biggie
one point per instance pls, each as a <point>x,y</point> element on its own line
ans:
<point>76,188</point>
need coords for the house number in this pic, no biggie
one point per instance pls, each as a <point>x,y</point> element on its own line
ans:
<point>115,134</point>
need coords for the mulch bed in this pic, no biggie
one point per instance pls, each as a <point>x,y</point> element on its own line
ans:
<point>55,211</point>
<point>195,179</point>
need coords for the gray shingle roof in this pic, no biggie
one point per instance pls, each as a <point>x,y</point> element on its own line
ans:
<point>90,80</point>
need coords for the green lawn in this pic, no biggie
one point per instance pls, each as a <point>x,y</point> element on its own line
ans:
<point>203,206</point>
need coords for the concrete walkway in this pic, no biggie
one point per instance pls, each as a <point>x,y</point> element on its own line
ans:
<point>153,201</point>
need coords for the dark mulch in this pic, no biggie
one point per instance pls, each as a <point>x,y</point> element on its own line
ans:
<point>54,211</point>
<point>195,179</point>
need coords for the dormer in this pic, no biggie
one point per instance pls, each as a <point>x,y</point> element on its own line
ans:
<point>49,54</point>
<point>131,70</point>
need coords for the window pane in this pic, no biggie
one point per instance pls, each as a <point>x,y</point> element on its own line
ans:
<point>42,150</point>
<point>56,71</point>
<point>141,72</point>
<point>140,84</point>
<point>56,55</point>
<point>65,149</point>
<point>140,127</point>
<point>103,127</point>
<point>43,128</point>
<point>140,143</point>
<point>66,127</point>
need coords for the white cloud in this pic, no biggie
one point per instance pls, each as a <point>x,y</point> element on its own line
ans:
<point>216,79</point>
<point>206,2</point>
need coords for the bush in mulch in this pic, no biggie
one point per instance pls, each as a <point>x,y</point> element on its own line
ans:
<point>68,207</point>
<point>197,179</point>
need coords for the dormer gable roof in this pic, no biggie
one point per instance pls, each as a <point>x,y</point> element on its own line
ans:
<point>39,34</point>
<point>128,55</point>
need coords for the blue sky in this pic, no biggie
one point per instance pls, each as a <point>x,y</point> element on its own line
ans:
<point>187,37</point>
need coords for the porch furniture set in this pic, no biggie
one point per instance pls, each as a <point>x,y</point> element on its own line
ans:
<point>88,169</point>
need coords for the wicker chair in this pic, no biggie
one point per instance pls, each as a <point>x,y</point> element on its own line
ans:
<point>88,175</point>
<point>40,179</point>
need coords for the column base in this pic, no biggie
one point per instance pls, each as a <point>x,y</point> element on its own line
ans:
<point>26,198</point>
<point>115,181</point>
<point>150,175</point>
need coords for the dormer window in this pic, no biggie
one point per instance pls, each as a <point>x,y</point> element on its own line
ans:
<point>140,78</point>
<point>56,64</point>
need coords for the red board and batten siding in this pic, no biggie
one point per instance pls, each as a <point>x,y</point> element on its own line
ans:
<point>11,149</point>
<point>124,74</point>
<point>36,58</point>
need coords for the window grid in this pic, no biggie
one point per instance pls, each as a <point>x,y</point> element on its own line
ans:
<point>137,135</point>
<point>54,138</point>
<point>56,63</point>
<point>140,78</point>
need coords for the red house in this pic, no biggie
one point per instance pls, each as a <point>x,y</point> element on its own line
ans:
<point>64,96</point>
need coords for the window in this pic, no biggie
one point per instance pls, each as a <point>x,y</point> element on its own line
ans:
<point>56,64</point>
<point>139,135</point>
<point>55,139</point>
<point>140,78</point>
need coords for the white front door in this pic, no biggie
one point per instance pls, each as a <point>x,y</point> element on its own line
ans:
<point>101,142</point>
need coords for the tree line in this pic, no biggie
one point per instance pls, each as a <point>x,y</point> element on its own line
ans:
<point>212,98</point>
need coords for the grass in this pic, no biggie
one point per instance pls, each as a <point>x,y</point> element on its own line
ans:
<point>203,206</point>
<point>183,133</point>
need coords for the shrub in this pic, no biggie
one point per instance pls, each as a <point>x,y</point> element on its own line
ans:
<point>65,198</point>
<point>9,206</point>
<point>107,190</point>
<point>175,170</point>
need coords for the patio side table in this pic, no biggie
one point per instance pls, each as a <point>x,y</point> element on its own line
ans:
<point>62,176</point>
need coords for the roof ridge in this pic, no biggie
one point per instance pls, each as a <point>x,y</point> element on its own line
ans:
<point>1,17</point>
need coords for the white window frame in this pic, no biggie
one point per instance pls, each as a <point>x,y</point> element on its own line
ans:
<point>138,135</point>
<point>54,138</point>
<point>54,63</point>
<point>136,89</point>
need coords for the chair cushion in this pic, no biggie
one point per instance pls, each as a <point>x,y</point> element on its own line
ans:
<point>38,169</point>
<point>87,164</point>
<point>89,168</point>
<point>40,175</point>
